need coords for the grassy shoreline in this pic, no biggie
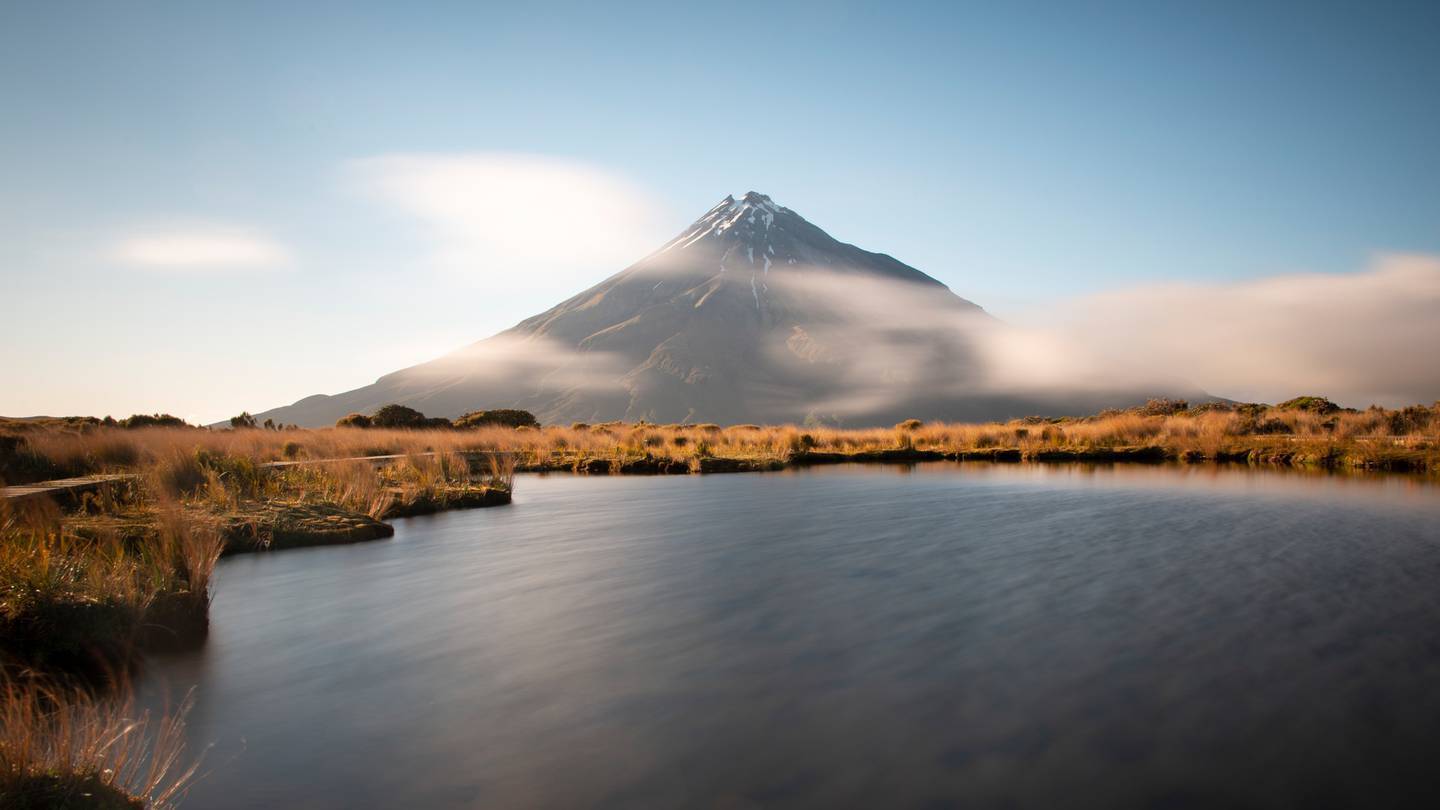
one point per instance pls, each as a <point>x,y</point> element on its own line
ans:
<point>93,582</point>
<point>90,585</point>
<point>1334,457</point>
<point>99,577</point>
<point>1308,431</point>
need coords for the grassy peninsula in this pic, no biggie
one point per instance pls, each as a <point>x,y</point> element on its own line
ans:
<point>91,579</point>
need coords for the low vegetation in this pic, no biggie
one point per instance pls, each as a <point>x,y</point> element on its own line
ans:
<point>86,602</point>
<point>1303,431</point>
<point>85,582</point>
<point>139,420</point>
<point>500,417</point>
<point>70,748</point>
<point>124,566</point>
<point>400,416</point>
<point>86,586</point>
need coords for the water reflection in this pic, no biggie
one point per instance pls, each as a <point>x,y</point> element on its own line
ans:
<point>951,635</point>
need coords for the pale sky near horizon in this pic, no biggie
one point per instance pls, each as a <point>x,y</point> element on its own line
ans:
<point>212,207</point>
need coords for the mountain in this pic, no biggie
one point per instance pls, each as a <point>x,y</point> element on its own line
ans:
<point>752,314</point>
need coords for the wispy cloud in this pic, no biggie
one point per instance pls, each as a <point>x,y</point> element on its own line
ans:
<point>515,220</point>
<point>200,248</point>
<point>1360,338</point>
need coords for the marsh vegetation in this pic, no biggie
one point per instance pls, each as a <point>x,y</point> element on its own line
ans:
<point>90,585</point>
<point>124,567</point>
<point>1303,431</point>
<point>74,749</point>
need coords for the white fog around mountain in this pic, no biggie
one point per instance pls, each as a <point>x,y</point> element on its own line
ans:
<point>753,314</point>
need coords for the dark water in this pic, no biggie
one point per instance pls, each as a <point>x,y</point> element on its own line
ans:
<point>949,636</point>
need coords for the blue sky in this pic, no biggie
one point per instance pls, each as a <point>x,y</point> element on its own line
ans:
<point>1019,152</point>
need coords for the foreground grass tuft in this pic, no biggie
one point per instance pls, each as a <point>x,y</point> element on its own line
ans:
<point>87,605</point>
<point>66,748</point>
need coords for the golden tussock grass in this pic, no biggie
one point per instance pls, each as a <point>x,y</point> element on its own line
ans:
<point>73,748</point>
<point>85,602</point>
<point>1205,431</point>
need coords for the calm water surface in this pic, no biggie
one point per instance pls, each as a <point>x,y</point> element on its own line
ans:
<point>943,636</point>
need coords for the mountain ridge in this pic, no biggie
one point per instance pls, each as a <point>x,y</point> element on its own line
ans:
<point>750,314</point>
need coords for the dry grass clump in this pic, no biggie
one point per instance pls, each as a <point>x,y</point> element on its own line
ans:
<point>417,478</point>
<point>88,602</point>
<point>353,485</point>
<point>500,472</point>
<point>397,487</point>
<point>63,748</point>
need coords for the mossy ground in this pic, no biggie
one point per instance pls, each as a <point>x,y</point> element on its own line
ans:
<point>275,525</point>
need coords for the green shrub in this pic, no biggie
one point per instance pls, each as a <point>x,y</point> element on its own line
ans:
<point>1319,405</point>
<point>504,417</point>
<point>141,420</point>
<point>397,416</point>
<point>1253,426</point>
<point>355,420</point>
<point>1161,406</point>
<point>1409,420</point>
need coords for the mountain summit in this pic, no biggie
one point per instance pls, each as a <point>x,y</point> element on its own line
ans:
<point>754,231</point>
<point>751,314</point>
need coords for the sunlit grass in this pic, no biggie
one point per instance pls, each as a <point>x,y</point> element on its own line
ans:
<point>71,601</point>
<point>66,747</point>
<point>1205,432</point>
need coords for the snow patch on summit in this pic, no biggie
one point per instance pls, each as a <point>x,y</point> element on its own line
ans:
<point>754,210</point>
